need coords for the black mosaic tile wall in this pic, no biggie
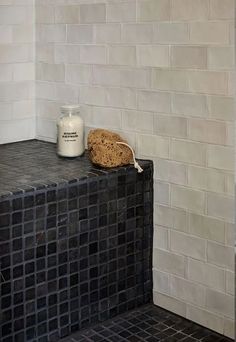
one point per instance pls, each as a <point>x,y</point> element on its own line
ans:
<point>75,242</point>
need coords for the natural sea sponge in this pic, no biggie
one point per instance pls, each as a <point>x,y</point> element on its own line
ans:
<point>104,150</point>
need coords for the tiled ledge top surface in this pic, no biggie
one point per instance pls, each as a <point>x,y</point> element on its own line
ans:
<point>33,165</point>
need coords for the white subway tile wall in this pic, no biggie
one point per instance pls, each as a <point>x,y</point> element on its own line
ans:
<point>160,72</point>
<point>17,70</point>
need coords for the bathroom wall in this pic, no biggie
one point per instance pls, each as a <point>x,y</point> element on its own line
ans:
<point>16,70</point>
<point>160,72</point>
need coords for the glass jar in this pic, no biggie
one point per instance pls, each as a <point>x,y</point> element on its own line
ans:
<point>70,132</point>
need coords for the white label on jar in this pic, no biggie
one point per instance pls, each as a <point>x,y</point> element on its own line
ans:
<point>70,136</point>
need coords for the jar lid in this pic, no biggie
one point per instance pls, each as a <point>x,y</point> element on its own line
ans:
<point>70,108</point>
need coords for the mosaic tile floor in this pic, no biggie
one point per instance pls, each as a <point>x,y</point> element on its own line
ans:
<point>148,323</point>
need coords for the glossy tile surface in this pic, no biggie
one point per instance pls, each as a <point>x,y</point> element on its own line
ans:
<point>147,323</point>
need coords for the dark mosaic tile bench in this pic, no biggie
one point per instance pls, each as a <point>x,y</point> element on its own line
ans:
<point>75,242</point>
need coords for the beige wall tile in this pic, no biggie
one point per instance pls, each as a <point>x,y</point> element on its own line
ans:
<point>137,121</point>
<point>212,132</point>
<point>220,303</point>
<point>92,13</point>
<point>170,125</point>
<point>189,105</point>
<point>137,33</point>
<point>122,55</point>
<point>230,283</point>
<point>171,33</point>
<point>207,227</point>
<point>82,34</point>
<point>205,318</point>
<point>221,107</point>
<point>154,101</point>
<point>44,14</point>
<point>103,75</point>
<point>187,245</point>
<point>209,32</point>
<point>171,171</point>
<point>193,57</point>
<point>171,217</point>
<point>208,82</point>
<point>151,55</point>
<point>169,262</point>
<point>51,33</point>
<point>93,54</point>
<point>229,234</point>
<point>220,157</point>
<point>160,238</point>
<point>107,33</point>
<point>186,198</point>
<point>67,14</point>
<point>169,303</point>
<point>206,179</point>
<point>187,291</point>
<point>93,96</point>
<point>121,12</point>
<point>160,282</point>
<point>229,327</point>
<point>121,98</point>
<point>152,145</point>
<point>188,152</point>
<point>220,255</point>
<point>220,206</point>
<point>135,78</point>
<point>78,74</point>
<point>66,53</point>
<point>189,10</point>
<point>162,193</point>
<point>220,58</point>
<point>151,10</point>
<point>106,117</point>
<point>51,72</point>
<point>222,9</point>
<point>171,80</point>
<point>209,275</point>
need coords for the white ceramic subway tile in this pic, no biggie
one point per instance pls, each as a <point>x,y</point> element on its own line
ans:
<point>187,245</point>
<point>160,238</point>
<point>107,33</point>
<point>154,101</point>
<point>160,282</point>
<point>153,55</point>
<point>137,33</point>
<point>173,218</point>
<point>80,34</point>
<point>171,33</point>
<point>189,10</point>
<point>153,10</point>
<point>153,146</point>
<point>188,152</point>
<point>121,12</point>
<point>187,291</point>
<point>220,255</point>
<point>222,9</point>
<point>205,274</point>
<point>190,105</point>
<point>207,227</point>
<point>91,54</point>
<point>169,262</point>
<point>92,13</point>
<point>201,316</point>
<point>122,55</point>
